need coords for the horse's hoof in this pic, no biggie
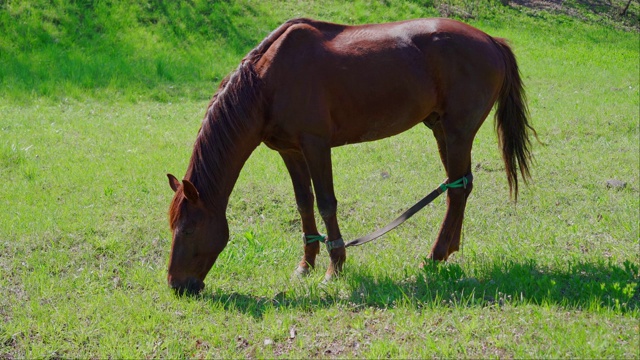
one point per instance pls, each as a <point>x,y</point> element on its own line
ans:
<point>301,272</point>
<point>428,262</point>
<point>330,276</point>
<point>327,279</point>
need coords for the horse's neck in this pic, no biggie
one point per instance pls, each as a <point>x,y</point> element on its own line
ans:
<point>216,168</point>
<point>230,132</point>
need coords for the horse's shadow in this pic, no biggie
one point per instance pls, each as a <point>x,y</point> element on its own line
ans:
<point>581,286</point>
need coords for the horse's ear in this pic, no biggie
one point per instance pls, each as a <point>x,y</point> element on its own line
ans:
<point>173,182</point>
<point>190,191</point>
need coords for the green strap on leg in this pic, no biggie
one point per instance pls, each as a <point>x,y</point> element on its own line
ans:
<point>460,183</point>
<point>309,239</point>
<point>338,243</point>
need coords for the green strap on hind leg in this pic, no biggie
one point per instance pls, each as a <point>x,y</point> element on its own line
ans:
<point>460,183</point>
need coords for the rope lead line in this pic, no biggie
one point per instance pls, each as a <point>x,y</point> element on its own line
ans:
<point>460,183</point>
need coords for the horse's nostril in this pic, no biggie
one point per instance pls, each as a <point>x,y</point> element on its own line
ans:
<point>190,286</point>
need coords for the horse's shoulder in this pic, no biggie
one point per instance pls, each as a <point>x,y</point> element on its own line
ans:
<point>307,29</point>
<point>304,38</point>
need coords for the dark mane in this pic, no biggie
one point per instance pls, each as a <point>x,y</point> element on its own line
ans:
<point>233,104</point>
<point>227,118</point>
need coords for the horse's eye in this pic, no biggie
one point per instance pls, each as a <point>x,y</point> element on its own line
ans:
<point>188,230</point>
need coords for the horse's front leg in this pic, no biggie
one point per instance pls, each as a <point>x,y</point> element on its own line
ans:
<point>317,153</point>
<point>301,180</point>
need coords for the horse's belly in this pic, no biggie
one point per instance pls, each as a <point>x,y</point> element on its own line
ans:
<point>378,104</point>
<point>379,117</point>
<point>371,129</point>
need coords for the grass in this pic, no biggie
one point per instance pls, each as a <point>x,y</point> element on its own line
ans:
<point>84,238</point>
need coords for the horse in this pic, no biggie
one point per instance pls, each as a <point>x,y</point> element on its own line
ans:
<point>312,85</point>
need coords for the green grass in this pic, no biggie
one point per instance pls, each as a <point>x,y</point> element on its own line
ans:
<point>84,239</point>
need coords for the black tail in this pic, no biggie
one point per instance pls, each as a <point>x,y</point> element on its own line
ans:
<point>512,124</point>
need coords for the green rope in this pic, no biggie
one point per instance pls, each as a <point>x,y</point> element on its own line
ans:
<point>309,239</point>
<point>460,183</point>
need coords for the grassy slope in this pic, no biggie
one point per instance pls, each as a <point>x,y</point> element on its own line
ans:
<point>163,50</point>
<point>84,240</point>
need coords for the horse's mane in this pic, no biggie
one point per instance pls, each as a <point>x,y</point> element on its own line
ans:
<point>229,114</point>
<point>227,118</point>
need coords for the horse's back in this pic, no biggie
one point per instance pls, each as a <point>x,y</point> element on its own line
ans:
<point>374,81</point>
<point>299,35</point>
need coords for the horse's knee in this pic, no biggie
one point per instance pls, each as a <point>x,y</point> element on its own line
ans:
<point>327,207</point>
<point>305,209</point>
<point>305,203</point>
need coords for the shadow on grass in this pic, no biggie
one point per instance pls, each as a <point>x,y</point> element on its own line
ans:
<point>594,287</point>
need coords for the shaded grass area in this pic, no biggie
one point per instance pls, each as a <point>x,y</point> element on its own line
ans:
<point>583,286</point>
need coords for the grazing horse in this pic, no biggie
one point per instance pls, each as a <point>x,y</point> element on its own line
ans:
<point>310,86</point>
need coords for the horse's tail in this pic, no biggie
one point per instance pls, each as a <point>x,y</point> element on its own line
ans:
<point>512,124</point>
<point>255,54</point>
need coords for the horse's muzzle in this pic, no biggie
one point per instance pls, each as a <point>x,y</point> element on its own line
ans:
<point>189,286</point>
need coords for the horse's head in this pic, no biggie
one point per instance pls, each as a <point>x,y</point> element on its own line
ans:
<point>199,235</point>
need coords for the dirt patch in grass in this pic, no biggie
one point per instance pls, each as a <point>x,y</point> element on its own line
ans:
<point>621,14</point>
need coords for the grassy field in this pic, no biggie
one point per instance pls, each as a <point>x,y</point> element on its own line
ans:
<point>92,117</point>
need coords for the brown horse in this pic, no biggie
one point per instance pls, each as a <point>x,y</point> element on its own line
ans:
<point>310,86</point>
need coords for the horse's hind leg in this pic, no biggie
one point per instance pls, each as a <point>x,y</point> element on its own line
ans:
<point>455,152</point>
<point>304,199</point>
